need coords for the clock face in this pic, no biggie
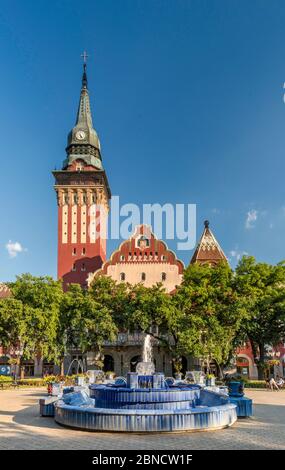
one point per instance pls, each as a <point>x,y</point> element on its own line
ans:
<point>80,135</point>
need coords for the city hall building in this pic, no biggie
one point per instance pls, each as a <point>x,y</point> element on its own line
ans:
<point>82,188</point>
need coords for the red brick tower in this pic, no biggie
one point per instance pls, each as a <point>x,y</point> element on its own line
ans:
<point>83,195</point>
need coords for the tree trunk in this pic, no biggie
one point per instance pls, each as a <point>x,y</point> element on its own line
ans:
<point>261,362</point>
<point>62,366</point>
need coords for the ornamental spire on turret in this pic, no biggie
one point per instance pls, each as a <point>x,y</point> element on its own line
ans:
<point>208,249</point>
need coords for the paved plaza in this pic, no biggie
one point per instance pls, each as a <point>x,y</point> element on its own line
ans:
<point>21,427</point>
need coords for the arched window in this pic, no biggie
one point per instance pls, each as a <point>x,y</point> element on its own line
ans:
<point>143,277</point>
<point>108,363</point>
<point>163,276</point>
<point>83,267</point>
<point>134,362</point>
<point>122,277</point>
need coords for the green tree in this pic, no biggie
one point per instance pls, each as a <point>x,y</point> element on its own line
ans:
<point>262,289</point>
<point>208,313</point>
<point>152,307</point>
<point>37,324</point>
<point>12,322</point>
<point>112,295</point>
<point>85,323</point>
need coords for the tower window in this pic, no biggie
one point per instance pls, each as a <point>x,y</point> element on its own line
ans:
<point>73,267</point>
<point>143,277</point>
<point>66,199</point>
<point>84,199</point>
<point>74,251</point>
<point>75,199</point>
<point>93,198</point>
<point>122,277</point>
<point>163,276</point>
<point>83,268</point>
<point>122,258</point>
<point>83,251</point>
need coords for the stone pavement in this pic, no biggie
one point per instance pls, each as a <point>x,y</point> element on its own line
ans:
<point>21,427</point>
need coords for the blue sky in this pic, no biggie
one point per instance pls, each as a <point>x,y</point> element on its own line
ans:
<point>187,98</point>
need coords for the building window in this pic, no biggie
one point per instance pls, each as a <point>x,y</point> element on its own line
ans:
<point>122,277</point>
<point>75,199</point>
<point>122,258</point>
<point>79,167</point>
<point>93,198</point>
<point>83,268</point>
<point>84,199</point>
<point>143,276</point>
<point>73,267</point>
<point>163,258</point>
<point>163,276</point>
<point>83,251</point>
<point>66,199</point>
<point>74,251</point>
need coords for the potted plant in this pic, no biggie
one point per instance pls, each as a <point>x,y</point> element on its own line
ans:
<point>110,374</point>
<point>210,380</point>
<point>177,362</point>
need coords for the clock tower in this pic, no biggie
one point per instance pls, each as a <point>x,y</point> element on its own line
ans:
<point>83,195</point>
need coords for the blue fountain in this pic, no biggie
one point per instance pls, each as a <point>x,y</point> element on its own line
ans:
<point>145,401</point>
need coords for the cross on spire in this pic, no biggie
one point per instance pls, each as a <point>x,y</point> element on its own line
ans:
<point>85,56</point>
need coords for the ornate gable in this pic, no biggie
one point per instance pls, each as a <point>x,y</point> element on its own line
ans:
<point>143,258</point>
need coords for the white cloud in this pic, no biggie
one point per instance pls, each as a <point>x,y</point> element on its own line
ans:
<point>251,218</point>
<point>237,254</point>
<point>215,210</point>
<point>14,248</point>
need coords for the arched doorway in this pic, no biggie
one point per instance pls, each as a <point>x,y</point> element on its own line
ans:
<point>242,365</point>
<point>133,363</point>
<point>108,363</point>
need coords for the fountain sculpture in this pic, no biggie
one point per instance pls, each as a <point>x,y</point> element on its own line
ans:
<point>145,402</point>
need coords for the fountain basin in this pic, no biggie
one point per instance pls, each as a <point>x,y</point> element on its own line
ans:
<point>102,419</point>
<point>149,410</point>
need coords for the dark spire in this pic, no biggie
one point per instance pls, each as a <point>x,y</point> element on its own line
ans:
<point>83,141</point>
<point>84,77</point>
<point>206,223</point>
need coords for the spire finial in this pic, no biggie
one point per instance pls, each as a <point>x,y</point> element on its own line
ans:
<point>206,223</point>
<point>85,56</point>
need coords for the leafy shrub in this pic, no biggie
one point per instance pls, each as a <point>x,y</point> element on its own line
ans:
<point>5,378</point>
<point>255,383</point>
<point>32,382</point>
